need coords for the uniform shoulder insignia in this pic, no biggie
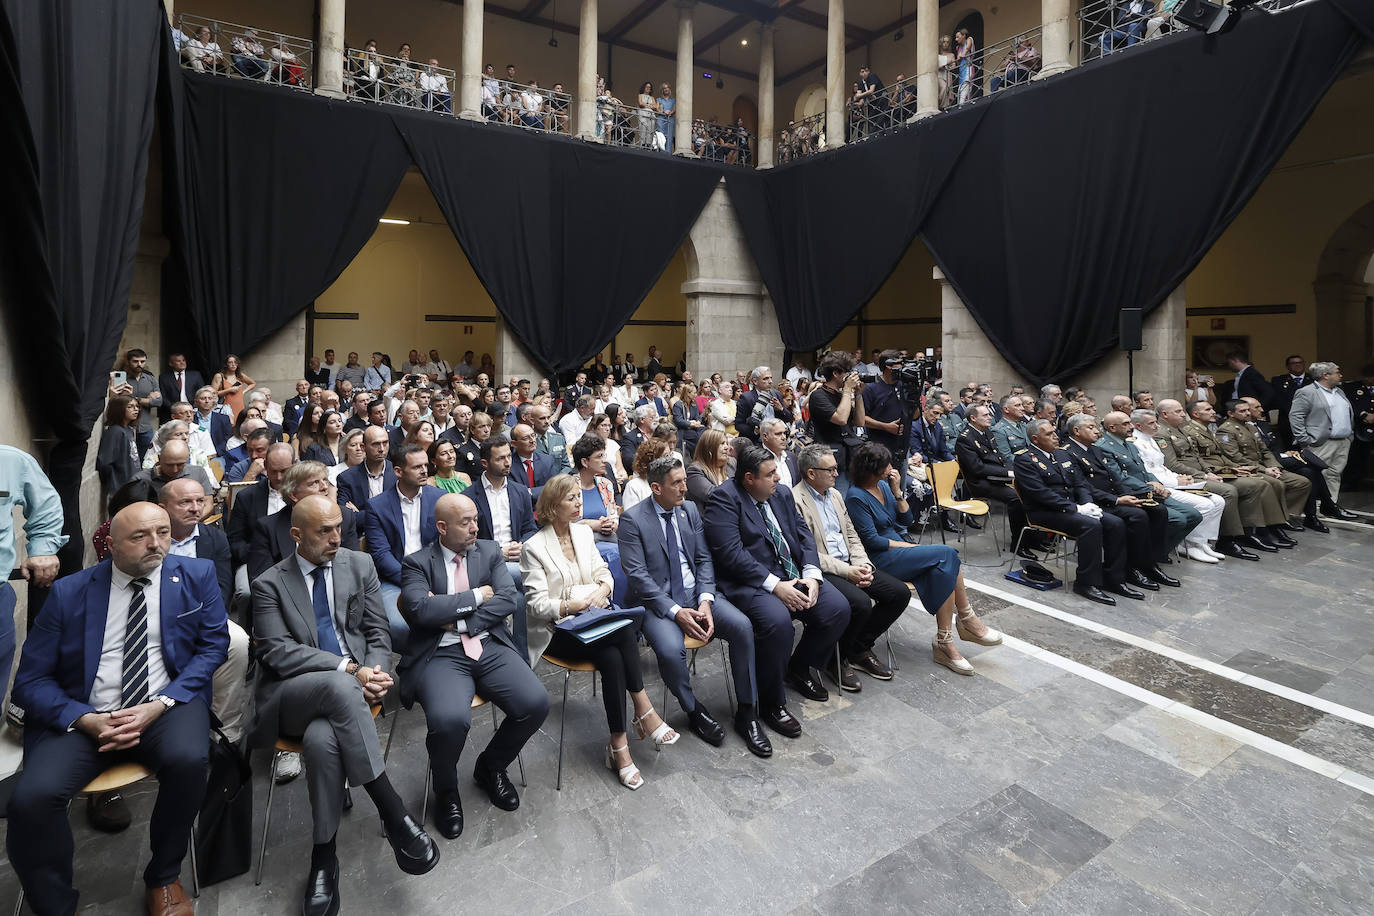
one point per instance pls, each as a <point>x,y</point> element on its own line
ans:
<point>1020,451</point>
<point>1226,437</point>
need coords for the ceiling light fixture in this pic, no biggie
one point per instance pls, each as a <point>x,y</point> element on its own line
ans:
<point>394,222</point>
<point>744,42</point>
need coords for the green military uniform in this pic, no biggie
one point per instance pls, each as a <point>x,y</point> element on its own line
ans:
<point>953,426</point>
<point>1260,506</point>
<point>1242,447</point>
<point>1010,436</point>
<point>1182,517</point>
<point>1181,457</point>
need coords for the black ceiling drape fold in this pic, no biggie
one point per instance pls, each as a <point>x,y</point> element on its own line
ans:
<point>826,233</point>
<point>567,237</point>
<point>272,193</point>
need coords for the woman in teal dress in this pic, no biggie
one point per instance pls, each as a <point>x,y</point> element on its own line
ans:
<point>876,512</point>
<point>443,464</point>
<point>666,105</point>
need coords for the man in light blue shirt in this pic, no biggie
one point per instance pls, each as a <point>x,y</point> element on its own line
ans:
<point>378,375</point>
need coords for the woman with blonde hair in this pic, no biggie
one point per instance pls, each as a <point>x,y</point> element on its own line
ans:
<point>710,466</point>
<point>722,414</point>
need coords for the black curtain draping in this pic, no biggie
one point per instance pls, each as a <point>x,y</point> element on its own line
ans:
<point>827,233</point>
<point>567,237</point>
<point>77,88</point>
<point>271,194</point>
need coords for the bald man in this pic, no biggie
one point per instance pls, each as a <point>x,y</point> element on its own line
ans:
<point>152,630</point>
<point>173,462</point>
<point>456,594</point>
<point>323,649</point>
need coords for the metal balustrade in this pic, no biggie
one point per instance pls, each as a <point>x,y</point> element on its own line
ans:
<point>1108,26</point>
<point>800,139</point>
<point>242,52</point>
<point>381,78</point>
<point>871,115</point>
<point>527,106</point>
<point>989,70</point>
<point>724,143</point>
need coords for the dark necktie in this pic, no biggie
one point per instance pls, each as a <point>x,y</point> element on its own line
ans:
<point>675,585</point>
<point>181,389</point>
<point>324,619</point>
<point>780,548</point>
<point>134,672</point>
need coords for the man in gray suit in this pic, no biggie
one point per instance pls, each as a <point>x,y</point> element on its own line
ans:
<point>668,568</point>
<point>323,644</point>
<point>1323,420</point>
<point>456,594</point>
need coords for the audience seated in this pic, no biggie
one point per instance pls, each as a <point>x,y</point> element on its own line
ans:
<point>399,522</point>
<point>270,540</point>
<point>373,477</point>
<point>986,474</point>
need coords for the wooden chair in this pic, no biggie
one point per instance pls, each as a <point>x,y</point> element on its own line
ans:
<point>120,776</point>
<point>943,476</point>
<point>694,646</point>
<point>1055,534</point>
<point>568,669</point>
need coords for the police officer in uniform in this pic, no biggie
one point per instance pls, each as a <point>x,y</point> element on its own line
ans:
<point>1009,433</point>
<point>1130,470</point>
<point>1056,496</point>
<point>985,473</point>
<point>1284,385</point>
<point>1182,457</point>
<point>1243,448</point>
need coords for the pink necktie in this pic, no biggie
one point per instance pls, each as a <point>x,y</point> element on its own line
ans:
<point>472,646</point>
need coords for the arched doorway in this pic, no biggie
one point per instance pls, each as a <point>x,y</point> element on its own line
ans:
<point>746,108</point>
<point>811,101</point>
<point>1342,292</point>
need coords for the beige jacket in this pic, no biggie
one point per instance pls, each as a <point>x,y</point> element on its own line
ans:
<point>812,516</point>
<point>551,578</point>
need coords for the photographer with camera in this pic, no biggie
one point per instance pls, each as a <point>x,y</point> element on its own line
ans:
<point>886,417</point>
<point>759,403</point>
<point>1198,388</point>
<point>837,410</point>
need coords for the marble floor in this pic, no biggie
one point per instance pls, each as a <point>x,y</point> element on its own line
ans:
<point>1207,750</point>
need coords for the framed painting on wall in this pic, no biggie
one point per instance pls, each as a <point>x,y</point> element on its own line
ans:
<point>1210,352</point>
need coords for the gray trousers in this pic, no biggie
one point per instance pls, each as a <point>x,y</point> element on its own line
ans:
<point>338,740</point>
<point>667,641</point>
<point>1335,452</point>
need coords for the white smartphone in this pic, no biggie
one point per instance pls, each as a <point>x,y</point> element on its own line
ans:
<point>119,378</point>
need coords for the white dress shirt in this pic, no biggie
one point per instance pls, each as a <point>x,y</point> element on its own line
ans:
<point>770,581</point>
<point>410,516</point>
<point>275,501</point>
<point>107,689</point>
<point>498,498</point>
<point>375,483</point>
<point>308,571</point>
<point>784,472</point>
<point>573,426</point>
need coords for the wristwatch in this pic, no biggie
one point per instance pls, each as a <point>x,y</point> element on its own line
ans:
<point>351,668</point>
<point>165,701</point>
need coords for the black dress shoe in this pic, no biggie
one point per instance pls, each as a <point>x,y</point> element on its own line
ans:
<point>1292,526</point>
<point>322,891</point>
<point>948,525</point>
<point>781,721</point>
<point>1093,593</point>
<point>808,685</point>
<point>1026,553</point>
<point>108,812</point>
<point>1140,580</point>
<point>1125,591</point>
<point>1231,548</point>
<point>848,679</point>
<point>706,728</point>
<point>1259,543</point>
<point>448,814</point>
<point>416,852</point>
<point>497,784</point>
<point>1316,524</point>
<point>1163,578</point>
<point>1278,538</point>
<point>751,730</point>
<point>973,523</point>
<point>1331,510</point>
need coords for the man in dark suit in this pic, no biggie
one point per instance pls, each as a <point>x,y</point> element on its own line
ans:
<point>986,475</point>
<point>294,408</point>
<point>766,565</point>
<point>654,366</point>
<point>578,388</point>
<point>400,522</point>
<point>1284,387</point>
<point>145,697</point>
<point>212,421</point>
<point>528,465</point>
<point>271,537</point>
<point>644,419</point>
<point>1249,382</point>
<point>759,403</point>
<point>250,505</point>
<point>461,414</point>
<point>505,514</point>
<point>667,564</point>
<point>773,437</point>
<point>928,436</point>
<point>177,384</point>
<point>323,649</point>
<point>653,398</point>
<point>373,477</point>
<point>1056,496</point>
<point>456,595</point>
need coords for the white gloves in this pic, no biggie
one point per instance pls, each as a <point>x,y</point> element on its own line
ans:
<point>1091,510</point>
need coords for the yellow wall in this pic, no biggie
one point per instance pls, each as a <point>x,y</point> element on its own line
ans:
<point>910,292</point>
<point>665,302</point>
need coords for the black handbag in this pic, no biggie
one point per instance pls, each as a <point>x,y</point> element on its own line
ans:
<point>224,833</point>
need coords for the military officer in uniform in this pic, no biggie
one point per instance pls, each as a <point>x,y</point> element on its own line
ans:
<point>1284,386</point>
<point>1182,457</point>
<point>1290,459</point>
<point>1056,496</point>
<point>1009,433</point>
<point>1129,467</point>
<point>986,474</point>
<point>1146,525</point>
<point>1242,447</point>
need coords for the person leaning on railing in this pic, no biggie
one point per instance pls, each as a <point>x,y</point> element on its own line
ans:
<point>532,106</point>
<point>435,87</point>
<point>203,53</point>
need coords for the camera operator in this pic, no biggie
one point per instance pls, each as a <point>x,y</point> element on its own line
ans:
<point>836,410</point>
<point>886,418</point>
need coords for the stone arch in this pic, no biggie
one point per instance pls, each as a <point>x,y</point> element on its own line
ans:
<point>811,101</point>
<point>1345,323</point>
<point>745,107</point>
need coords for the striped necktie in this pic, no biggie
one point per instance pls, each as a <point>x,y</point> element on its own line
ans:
<point>780,548</point>
<point>134,674</point>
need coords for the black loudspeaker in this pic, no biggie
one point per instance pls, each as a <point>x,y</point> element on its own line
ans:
<point>1129,330</point>
<point>1207,16</point>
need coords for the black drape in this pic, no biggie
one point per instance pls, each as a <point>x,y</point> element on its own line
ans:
<point>826,233</point>
<point>272,194</point>
<point>1103,188</point>
<point>567,237</point>
<point>77,88</point>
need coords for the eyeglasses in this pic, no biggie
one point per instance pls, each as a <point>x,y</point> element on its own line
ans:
<point>833,469</point>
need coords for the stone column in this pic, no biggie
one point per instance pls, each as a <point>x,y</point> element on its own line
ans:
<point>927,52</point>
<point>834,76</point>
<point>586,71</point>
<point>682,113</point>
<point>766,102</point>
<point>329,49</point>
<point>279,361</point>
<point>511,356</point>
<point>470,76</point>
<point>171,17</point>
<point>1057,20</point>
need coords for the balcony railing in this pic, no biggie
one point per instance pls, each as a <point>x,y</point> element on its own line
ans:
<point>801,138</point>
<point>1108,26</point>
<point>989,70</point>
<point>871,115</point>
<point>224,48</point>
<point>373,77</point>
<point>724,143</point>
<point>527,106</point>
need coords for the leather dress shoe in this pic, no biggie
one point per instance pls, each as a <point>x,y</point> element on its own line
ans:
<point>1259,543</point>
<point>1316,524</point>
<point>781,721</point>
<point>948,525</point>
<point>108,812</point>
<point>1331,510</point>
<point>1026,553</point>
<point>321,891</point>
<point>1291,525</point>
<point>751,730</point>
<point>705,727</point>
<point>1280,533</point>
<point>448,814</point>
<point>416,852</point>
<point>973,523</point>
<point>1279,539</point>
<point>1158,575</point>
<point>497,784</point>
<point>1140,580</point>
<point>171,900</point>
<point>1093,593</point>
<point>808,685</point>
<point>1230,547</point>
<point>1125,591</point>
<point>848,679</point>
<point>871,665</point>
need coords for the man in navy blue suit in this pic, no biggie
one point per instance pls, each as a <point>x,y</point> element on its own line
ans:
<point>668,566</point>
<point>529,465</point>
<point>767,566</point>
<point>400,522</point>
<point>375,476</point>
<point>294,408</point>
<point>212,421</point>
<point>117,668</point>
<point>505,514</point>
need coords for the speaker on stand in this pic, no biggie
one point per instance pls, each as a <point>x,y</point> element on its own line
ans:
<point>1129,335</point>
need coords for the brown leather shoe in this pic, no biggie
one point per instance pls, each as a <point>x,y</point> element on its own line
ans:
<point>170,900</point>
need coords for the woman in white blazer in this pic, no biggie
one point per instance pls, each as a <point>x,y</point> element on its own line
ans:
<point>565,575</point>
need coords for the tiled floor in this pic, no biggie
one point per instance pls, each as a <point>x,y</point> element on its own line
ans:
<point>1024,789</point>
